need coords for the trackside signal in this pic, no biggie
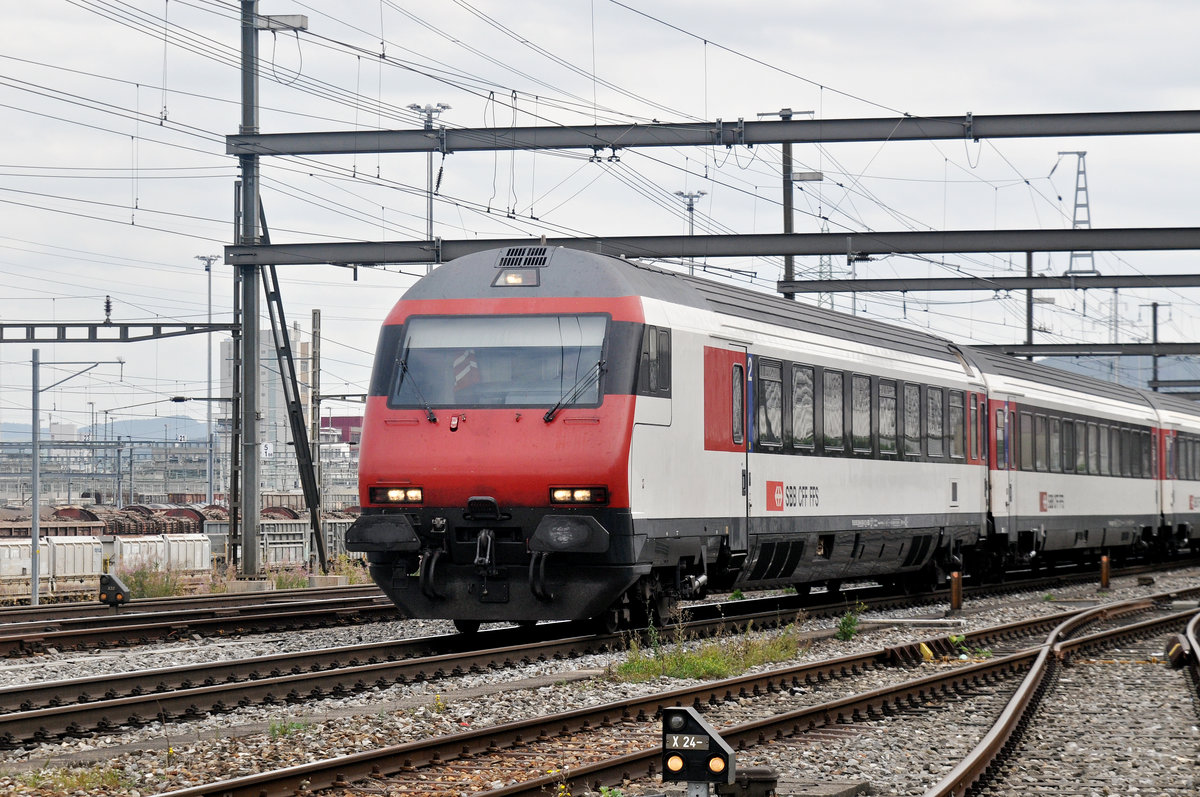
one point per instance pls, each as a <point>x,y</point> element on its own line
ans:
<point>693,751</point>
<point>113,590</point>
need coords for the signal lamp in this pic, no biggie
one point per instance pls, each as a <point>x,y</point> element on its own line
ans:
<point>693,751</point>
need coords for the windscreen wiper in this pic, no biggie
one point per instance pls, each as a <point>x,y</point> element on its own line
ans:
<point>403,363</point>
<point>571,396</point>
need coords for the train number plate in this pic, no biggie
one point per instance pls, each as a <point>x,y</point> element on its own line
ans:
<point>685,741</point>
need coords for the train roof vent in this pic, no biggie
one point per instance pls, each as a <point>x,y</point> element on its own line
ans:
<point>523,257</point>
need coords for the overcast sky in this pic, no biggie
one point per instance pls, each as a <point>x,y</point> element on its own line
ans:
<point>115,178</point>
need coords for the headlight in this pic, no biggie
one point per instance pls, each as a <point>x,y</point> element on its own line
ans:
<point>578,495</point>
<point>396,495</point>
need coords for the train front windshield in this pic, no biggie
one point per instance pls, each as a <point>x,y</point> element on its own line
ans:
<point>491,361</point>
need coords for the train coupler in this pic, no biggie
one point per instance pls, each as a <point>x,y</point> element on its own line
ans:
<point>485,556</point>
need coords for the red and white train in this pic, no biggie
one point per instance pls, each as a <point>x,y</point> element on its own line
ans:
<point>554,434</point>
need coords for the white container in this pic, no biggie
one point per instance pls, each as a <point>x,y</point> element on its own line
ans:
<point>335,537</point>
<point>130,552</point>
<point>74,557</point>
<point>16,561</point>
<point>284,542</point>
<point>189,553</point>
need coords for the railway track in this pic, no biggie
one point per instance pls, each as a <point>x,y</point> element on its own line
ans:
<point>588,748</point>
<point>50,612</point>
<point>1084,687</point>
<point>26,631</point>
<point>134,627</point>
<point>41,711</point>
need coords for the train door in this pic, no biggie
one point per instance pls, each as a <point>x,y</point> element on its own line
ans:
<point>726,471</point>
<point>741,414</point>
<point>1009,452</point>
<point>1003,491</point>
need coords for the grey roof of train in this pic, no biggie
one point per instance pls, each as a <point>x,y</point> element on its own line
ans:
<point>1005,365</point>
<point>603,275</point>
<point>1175,403</point>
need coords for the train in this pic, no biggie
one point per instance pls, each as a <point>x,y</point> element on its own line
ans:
<point>554,434</point>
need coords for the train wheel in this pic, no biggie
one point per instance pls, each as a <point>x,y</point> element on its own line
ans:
<point>466,626</point>
<point>609,622</point>
<point>666,608</point>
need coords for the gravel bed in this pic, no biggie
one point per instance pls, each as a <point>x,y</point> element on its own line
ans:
<point>157,758</point>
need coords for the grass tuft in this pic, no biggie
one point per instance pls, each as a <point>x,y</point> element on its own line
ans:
<point>150,580</point>
<point>707,661</point>
<point>77,779</point>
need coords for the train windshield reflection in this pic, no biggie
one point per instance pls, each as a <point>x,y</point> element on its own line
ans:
<point>487,361</point>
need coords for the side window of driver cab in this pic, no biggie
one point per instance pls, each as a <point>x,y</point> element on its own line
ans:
<point>654,365</point>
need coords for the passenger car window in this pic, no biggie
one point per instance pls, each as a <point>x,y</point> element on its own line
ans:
<point>934,422</point>
<point>860,413</point>
<point>957,421</point>
<point>887,417</point>
<point>802,406</point>
<point>834,434</point>
<point>912,420</point>
<point>769,414</point>
<point>1026,437</point>
<point>1001,440</point>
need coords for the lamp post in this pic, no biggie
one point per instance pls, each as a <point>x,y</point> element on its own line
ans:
<point>210,399</point>
<point>691,198</point>
<point>36,502</point>
<point>788,260</point>
<point>795,177</point>
<point>430,111</point>
<point>208,428</point>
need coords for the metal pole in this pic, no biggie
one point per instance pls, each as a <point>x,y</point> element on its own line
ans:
<point>208,261</point>
<point>92,439</point>
<point>789,268</point>
<point>118,502</point>
<point>690,198</point>
<point>430,111</point>
<point>166,466</point>
<point>35,502</point>
<point>1154,340</point>
<point>1029,303</point>
<point>248,237</point>
<point>314,379</point>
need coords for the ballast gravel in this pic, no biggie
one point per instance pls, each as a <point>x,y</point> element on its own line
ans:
<point>136,762</point>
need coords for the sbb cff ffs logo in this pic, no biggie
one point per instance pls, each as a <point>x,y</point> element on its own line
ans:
<point>780,495</point>
<point>1048,502</point>
<point>693,751</point>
